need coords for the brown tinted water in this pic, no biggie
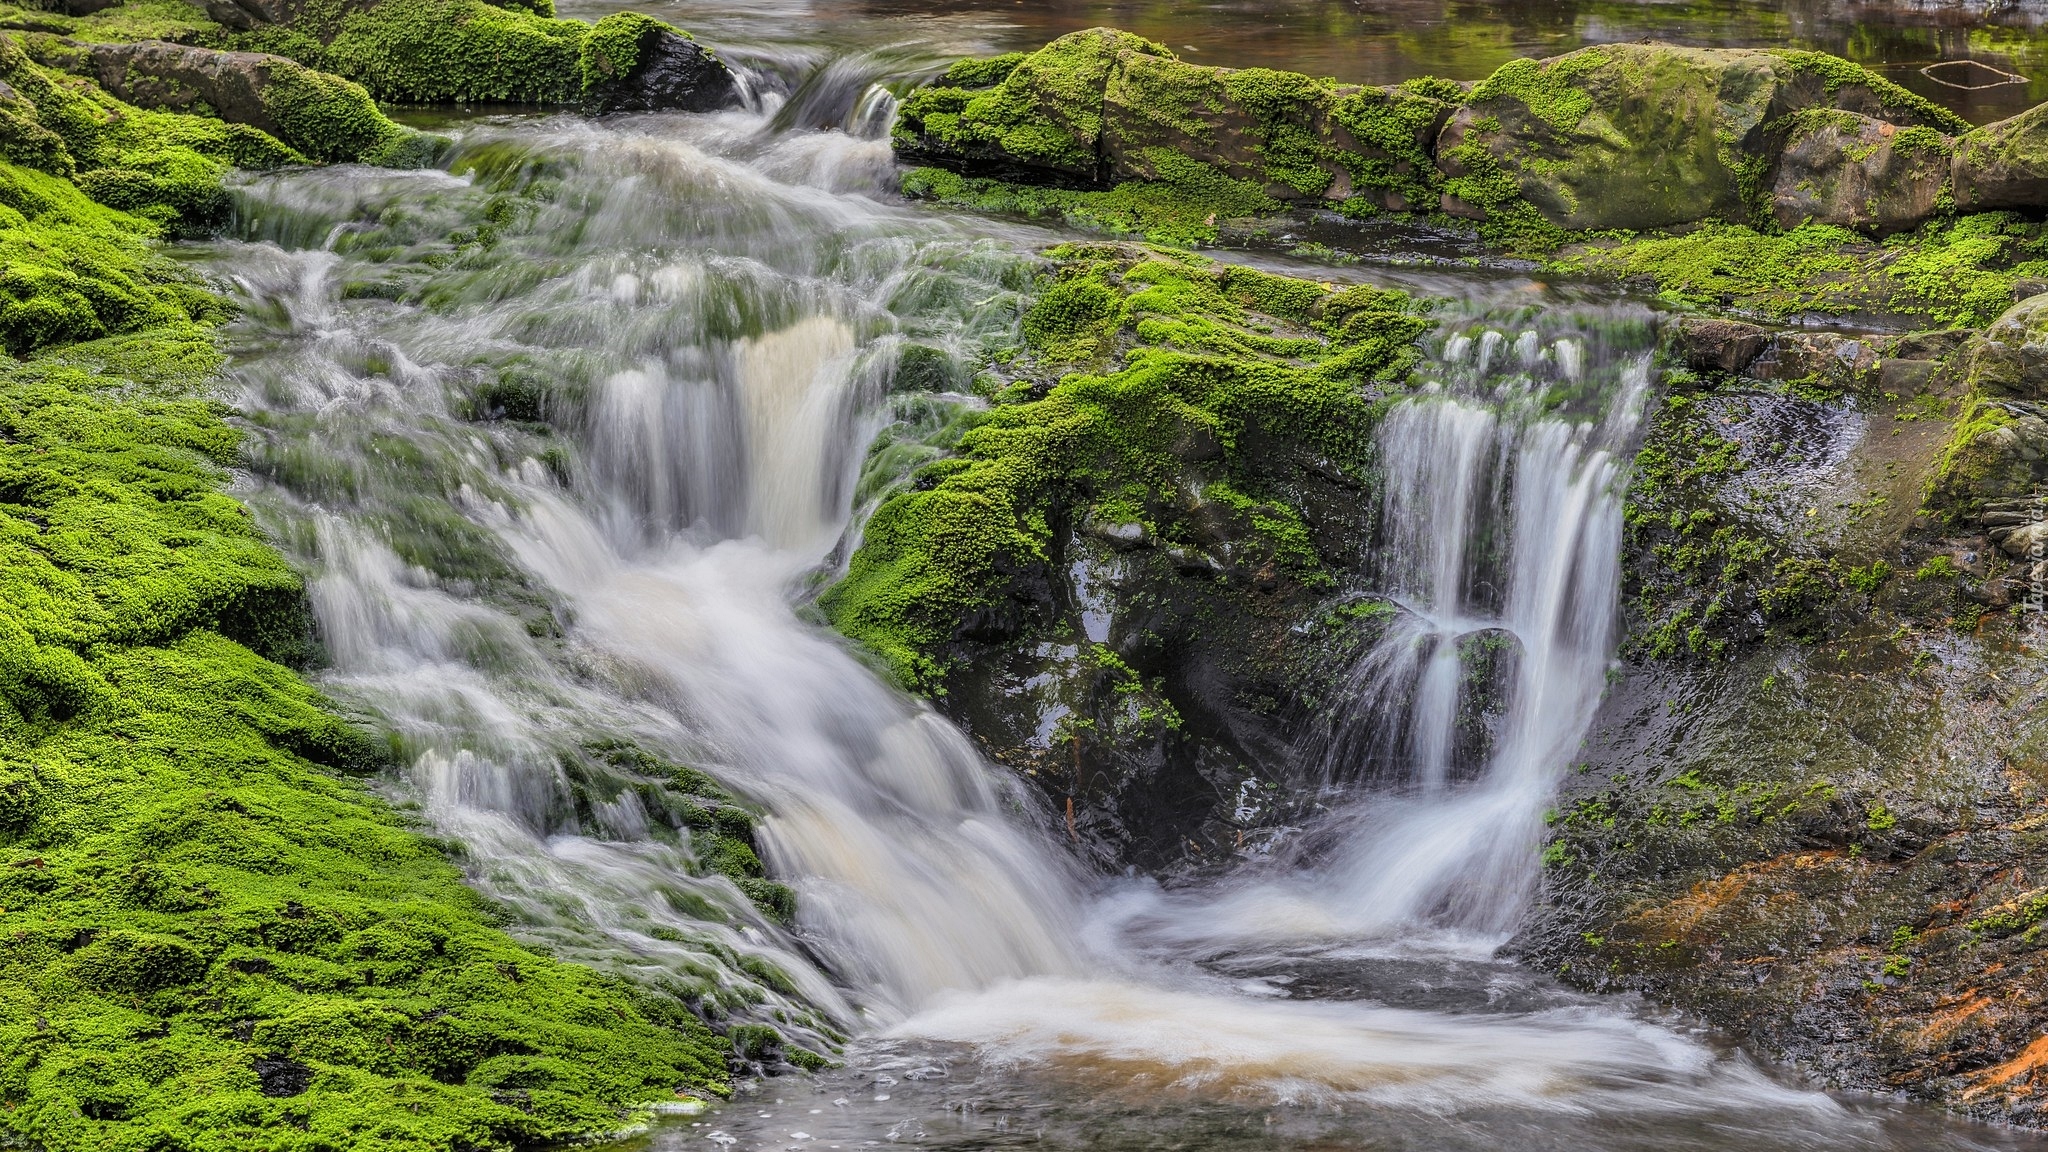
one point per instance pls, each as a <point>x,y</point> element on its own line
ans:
<point>1385,41</point>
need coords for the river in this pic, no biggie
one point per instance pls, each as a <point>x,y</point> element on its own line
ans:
<point>705,311</point>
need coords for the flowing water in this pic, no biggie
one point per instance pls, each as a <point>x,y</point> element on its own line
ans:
<point>686,326</point>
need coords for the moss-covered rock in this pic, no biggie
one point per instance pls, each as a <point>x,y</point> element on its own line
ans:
<point>635,63</point>
<point>2004,164</point>
<point>1647,135</point>
<point>1854,171</point>
<point>164,166</point>
<point>325,118</point>
<point>1109,576</point>
<point>1103,107</point>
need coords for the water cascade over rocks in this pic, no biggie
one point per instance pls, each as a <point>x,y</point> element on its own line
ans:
<point>703,312</point>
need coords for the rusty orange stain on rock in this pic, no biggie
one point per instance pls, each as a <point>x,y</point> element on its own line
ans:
<point>2030,1058</point>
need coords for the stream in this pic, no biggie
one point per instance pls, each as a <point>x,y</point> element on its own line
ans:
<point>706,311</point>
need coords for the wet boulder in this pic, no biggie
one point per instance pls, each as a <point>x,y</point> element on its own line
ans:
<point>1043,119</point>
<point>1298,138</point>
<point>635,63</point>
<point>324,117</point>
<point>1856,171</point>
<point>1101,107</point>
<point>1997,452</point>
<point>1648,135</point>
<point>2003,164</point>
<point>1710,345</point>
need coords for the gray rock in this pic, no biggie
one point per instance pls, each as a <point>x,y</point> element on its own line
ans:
<point>1717,345</point>
<point>2010,357</point>
<point>1854,171</point>
<point>2003,164</point>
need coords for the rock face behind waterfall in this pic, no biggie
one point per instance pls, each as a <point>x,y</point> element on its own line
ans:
<point>1810,808</point>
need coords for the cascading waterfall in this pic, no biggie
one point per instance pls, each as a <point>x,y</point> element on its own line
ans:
<point>705,317</point>
<point>719,401</point>
<point>1502,528</point>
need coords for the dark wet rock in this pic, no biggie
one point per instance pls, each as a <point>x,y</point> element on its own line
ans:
<point>1831,848</point>
<point>1905,377</point>
<point>243,15</point>
<point>2004,164</point>
<point>1999,451</point>
<point>1717,345</point>
<point>1858,172</point>
<point>657,68</point>
<point>1930,345</point>
<point>278,1076</point>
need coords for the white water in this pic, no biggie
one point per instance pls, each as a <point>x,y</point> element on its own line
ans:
<point>719,316</point>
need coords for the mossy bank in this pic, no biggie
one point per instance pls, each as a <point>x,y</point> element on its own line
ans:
<point>213,933</point>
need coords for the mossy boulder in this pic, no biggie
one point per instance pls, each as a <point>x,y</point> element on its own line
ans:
<point>1856,171</point>
<point>327,118</point>
<point>1045,117</point>
<point>1647,135</point>
<point>1104,107</point>
<point>1298,138</point>
<point>2004,164</point>
<point>635,63</point>
<point>2009,358</point>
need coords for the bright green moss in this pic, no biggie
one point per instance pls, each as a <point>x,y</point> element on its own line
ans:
<point>1175,352</point>
<point>330,119</point>
<point>1836,73</point>
<point>1047,112</point>
<point>210,937</point>
<point>1549,89</point>
<point>163,166</point>
<point>455,51</point>
<point>1958,272</point>
<point>1185,209</point>
<point>612,49</point>
<point>980,72</point>
<point>71,270</point>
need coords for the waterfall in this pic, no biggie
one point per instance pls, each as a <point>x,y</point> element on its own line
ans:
<point>706,317</point>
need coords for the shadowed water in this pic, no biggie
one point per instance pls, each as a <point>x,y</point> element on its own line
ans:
<point>573,486</point>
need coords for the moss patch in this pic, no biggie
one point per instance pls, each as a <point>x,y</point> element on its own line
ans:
<point>1178,375</point>
<point>211,935</point>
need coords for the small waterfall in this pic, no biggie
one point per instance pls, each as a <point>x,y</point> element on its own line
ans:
<point>707,328</point>
<point>1501,531</point>
<point>1498,554</point>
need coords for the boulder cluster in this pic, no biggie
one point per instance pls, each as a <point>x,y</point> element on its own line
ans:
<point>1618,136</point>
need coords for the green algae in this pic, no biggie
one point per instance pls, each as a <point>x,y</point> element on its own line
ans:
<point>1145,369</point>
<point>212,934</point>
